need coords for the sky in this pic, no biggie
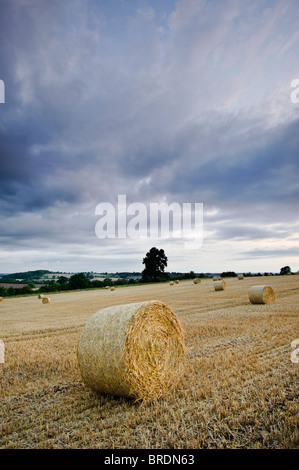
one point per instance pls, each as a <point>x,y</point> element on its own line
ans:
<point>186,102</point>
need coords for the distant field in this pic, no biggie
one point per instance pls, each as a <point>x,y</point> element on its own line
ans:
<point>239,389</point>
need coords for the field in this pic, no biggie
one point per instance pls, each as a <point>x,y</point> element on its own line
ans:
<point>239,389</point>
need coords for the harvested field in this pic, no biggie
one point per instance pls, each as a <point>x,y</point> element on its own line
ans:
<point>239,388</point>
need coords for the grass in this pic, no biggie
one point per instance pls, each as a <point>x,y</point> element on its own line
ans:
<point>239,389</point>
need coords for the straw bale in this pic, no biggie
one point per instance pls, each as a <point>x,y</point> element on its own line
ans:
<point>135,350</point>
<point>1,298</point>
<point>107,287</point>
<point>197,281</point>
<point>219,285</point>
<point>171,283</point>
<point>240,276</point>
<point>177,281</point>
<point>261,295</point>
<point>45,300</point>
<point>41,296</point>
<point>215,278</point>
<point>112,288</point>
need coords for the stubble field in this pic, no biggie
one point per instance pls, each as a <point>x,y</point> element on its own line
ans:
<point>239,388</point>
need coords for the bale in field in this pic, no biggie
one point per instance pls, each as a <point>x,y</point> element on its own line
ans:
<point>107,287</point>
<point>45,300</point>
<point>177,282</point>
<point>135,350</point>
<point>240,276</point>
<point>261,295</point>
<point>171,283</point>
<point>215,278</point>
<point>112,288</point>
<point>197,281</point>
<point>1,298</point>
<point>219,285</point>
<point>41,296</point>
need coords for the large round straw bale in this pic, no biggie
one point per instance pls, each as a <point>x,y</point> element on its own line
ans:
<point>45,300</point>
<point>107,287</point>
<point>1,298</point>
<point>135,350</point>
<point>197,281</point>
<point>177,281</point>
<point>261,295</point>
<point>41,296</point>
<point>171,283</point>
<point>215,278</point>
<point>219,285</point>
<point>240,276</point>
<point>112,288</point>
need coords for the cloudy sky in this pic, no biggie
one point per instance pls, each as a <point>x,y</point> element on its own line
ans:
<point>184,101</point>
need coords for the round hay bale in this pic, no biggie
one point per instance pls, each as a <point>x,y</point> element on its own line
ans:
<point>135,350</point>
<point>1,298</point>
<point>219,285</point>
<point>197,281</point>
<point>171,283</point>
<point>41,296</point>
<point>240,276</point>
<point>112,288</point>
<point>45,300</point>
<point>261,295</point>
<point>215,278</point>
<point>177,281</point>
<point>107,287</point>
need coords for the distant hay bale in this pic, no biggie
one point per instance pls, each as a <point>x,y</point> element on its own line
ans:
<point>107,287</point>
<point>219,285</point>
<point>215,278</point>
<point>261,295</point>
<point>197,281</point>
<point>46,300</point>
<point>240,276</point>
<point>135,350</point>
<point>177,281</point>
<point>112,288</point>
<point>41,296</point>
<point>171,283</point>
<point>1,298</point>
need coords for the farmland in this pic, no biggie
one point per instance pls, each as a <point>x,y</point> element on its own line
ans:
<point>239,388</point>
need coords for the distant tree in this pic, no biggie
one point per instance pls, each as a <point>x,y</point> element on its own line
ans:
<point>3,291</point>
<point>155,262</point>
<point>79,281</point>
<point>228,274</point>
<point>285,270</point>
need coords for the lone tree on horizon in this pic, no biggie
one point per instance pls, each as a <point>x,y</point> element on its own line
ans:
<point>285,270</point>
<point>155,262</point>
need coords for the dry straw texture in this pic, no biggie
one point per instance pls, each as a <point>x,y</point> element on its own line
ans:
<point>197,281</point>
<point>41,296</point>
<point>135,350</point>
<point>1,298</point>
<point>219,285</point>
<point>240,276</point>
<point>262,295</point>
<point>45,300</point>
